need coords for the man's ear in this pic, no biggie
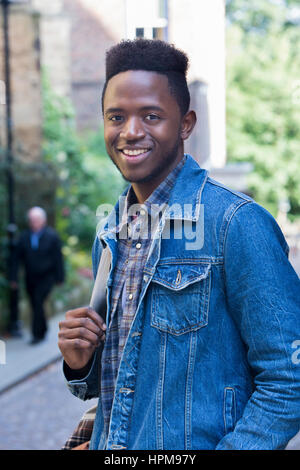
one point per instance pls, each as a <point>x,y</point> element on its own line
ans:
<point>188,124</point>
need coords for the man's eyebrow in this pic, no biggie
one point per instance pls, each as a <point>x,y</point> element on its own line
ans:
<point>151,107</point>
<point>113,110</point>
<point>143,108</point>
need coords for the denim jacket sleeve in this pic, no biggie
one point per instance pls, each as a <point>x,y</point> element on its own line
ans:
<point>263,295</point>
<point>89,386</point>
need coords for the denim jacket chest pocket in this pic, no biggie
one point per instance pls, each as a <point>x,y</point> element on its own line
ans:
<point>180,297</point>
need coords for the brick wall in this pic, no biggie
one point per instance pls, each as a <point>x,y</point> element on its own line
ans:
<point>89,41</point>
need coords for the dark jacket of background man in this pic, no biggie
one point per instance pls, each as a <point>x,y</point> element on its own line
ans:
<point>44,261</point>
<point>44,268</point>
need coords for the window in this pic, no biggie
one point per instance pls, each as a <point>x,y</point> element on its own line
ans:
<point>158,33</point>
<point>139,32</point>
<point>147,19</point>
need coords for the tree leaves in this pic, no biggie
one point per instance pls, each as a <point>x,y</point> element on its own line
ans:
<point>263,112</point>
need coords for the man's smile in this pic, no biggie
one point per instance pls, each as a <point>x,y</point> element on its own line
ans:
<point>135,154</point>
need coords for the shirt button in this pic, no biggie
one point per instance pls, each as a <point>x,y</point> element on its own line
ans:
<point>130,297</point>
<point>143,212</point>
<point>146,278</point>
<point>138,246</point>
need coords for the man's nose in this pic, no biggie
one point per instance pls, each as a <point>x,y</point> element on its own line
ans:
<point>132,129</point>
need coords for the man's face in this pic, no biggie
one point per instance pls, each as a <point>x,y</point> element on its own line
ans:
<point>142,126</point>
<point>36,221</point>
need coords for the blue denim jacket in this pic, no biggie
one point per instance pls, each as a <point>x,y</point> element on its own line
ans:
<point>211,360</point>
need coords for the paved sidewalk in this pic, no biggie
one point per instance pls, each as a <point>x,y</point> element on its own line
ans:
<point>40,413</point>
<point>23,359</point>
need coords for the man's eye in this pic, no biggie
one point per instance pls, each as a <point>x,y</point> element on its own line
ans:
<point>152,117</point>
<point>115,118</point>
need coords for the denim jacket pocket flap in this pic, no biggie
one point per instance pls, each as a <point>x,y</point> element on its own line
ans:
<point>180,297</point>
<point>179,276</point>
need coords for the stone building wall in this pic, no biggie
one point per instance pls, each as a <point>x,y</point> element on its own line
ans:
<point>34,179</point>
<point>25,83</point>
<point>55,44</point>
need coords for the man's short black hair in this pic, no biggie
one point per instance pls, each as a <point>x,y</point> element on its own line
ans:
<point>152,55</point>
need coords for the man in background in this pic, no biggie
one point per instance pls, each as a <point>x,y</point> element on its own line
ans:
<point>39,251</point>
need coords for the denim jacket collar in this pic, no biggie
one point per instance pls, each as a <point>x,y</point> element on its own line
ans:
<point>185,198</point>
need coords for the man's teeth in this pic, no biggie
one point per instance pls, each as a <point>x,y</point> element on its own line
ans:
<point>134,152</point>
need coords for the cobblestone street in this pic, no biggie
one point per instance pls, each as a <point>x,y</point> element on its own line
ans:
<point>40,413</point>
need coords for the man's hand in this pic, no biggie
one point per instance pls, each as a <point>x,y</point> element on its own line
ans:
<point>79,335</point>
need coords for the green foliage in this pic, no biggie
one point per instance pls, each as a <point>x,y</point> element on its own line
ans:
<point>87,178</point>
<point>263,103</point>
<point>259,16</point>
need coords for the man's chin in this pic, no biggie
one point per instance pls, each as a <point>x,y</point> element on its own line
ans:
<point>133,177</point>
<point>130,178</point>
<point>140,179</point>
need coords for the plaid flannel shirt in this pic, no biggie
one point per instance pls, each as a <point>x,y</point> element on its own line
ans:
<point>134,234</point>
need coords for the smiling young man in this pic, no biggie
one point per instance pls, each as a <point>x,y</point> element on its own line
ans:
<point>199,340</point>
